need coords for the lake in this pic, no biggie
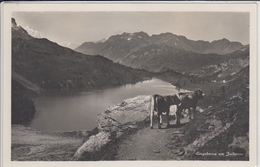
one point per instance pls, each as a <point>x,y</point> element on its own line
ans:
<point>77,110</point>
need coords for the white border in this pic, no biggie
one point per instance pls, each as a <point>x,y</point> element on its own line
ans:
<point>8,8</point>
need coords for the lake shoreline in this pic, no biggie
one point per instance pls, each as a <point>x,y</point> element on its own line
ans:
<point>79,108</point>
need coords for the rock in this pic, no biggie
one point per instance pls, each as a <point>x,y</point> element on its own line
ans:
<point>174,137</point>
<point>116,121</point>
<point>157,151</point>
<point>199,109</point>
<point>178,132</point>
<point>181,152</point>
<point>129,114</point>
<point>210,127</point>
<point>94,144</point>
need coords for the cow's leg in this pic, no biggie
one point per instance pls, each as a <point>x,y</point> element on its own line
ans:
<point>189,113</point>
<point>167,119</point>
<point>178,115</point>
<point>152,112</point>
<point>194,112</point>
<point>159,118</point>
<point>151,119</point>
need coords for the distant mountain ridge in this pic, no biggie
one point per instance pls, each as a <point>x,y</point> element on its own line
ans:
<point>159,52</point>
<point>132,41</point>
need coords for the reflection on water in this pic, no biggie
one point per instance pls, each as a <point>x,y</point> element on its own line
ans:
<point>68,111</point>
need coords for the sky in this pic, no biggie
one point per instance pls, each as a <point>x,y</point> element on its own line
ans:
<point>80,27</point>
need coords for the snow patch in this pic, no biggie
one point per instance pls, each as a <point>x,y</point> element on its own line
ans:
<point>34,33</point>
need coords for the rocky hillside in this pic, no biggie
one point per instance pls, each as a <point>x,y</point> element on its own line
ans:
<point>218,71</point>
<point>229,109</point>
<point>227,68</point>
<point>139,50</point>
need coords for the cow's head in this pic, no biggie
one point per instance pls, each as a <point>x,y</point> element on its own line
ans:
<point>175,100</point>
<point>199,94</point>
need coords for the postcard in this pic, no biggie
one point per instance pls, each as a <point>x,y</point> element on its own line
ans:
<point>129,83</point>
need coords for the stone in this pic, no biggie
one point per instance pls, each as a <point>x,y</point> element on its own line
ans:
<point>113,123</point>
<point>94,144</point>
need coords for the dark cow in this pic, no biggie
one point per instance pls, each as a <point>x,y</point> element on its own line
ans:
<point>162,104</point>
<point>188,100</point>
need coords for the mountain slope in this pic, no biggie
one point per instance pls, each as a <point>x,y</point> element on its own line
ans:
<point>163,57</point>
<point>51,66</point>
<point>116,46</point>
<point>226,69</point>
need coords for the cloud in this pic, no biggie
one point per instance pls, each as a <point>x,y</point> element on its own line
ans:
<point>34,33</point>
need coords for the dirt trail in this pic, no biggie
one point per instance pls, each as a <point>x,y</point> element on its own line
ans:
<point>154,144</point>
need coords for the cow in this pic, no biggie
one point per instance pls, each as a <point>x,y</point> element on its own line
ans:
<point>188,100</point>
<point>161,104</point>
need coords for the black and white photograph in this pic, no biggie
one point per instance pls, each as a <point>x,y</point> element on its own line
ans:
<point>138,85</point>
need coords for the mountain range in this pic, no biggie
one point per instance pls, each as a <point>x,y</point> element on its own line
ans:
<point>139,50</point>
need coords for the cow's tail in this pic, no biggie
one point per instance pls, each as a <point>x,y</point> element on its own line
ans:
<point>152,111</point>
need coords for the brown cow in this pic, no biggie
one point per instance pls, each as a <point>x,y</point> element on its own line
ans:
<point>162,104</point>
<point>188,100</point>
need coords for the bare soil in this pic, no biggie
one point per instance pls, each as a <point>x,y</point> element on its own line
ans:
<point>154,144</point>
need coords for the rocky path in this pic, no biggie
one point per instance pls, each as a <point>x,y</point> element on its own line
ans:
<point>154,144</point>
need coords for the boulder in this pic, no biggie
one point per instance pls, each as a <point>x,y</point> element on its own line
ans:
<point>114,122</point>
<point>93,144</point>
